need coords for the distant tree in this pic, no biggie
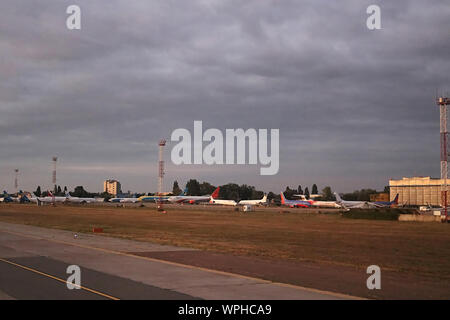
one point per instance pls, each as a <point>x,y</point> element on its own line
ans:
<point>38,191</point>
<point>176,189</point>
<point>276,200</point>
<point>206,188</point>
<point>306,193</point>
<point>299,189</point>
<point>359,195</point>
<point>314,189</point>
<point>229,191</point>
<point>256,194</point>
<point>59,191</point>
<point>106,196</point>
<point>193,187</point>
<point>55,190</point>
<point>289,193</point>
<point>80,192</point>
<point>271,196</point>
<point>237,192</point>
<point>65,189</point>
<point>387,189</point>
<point>327,194</point>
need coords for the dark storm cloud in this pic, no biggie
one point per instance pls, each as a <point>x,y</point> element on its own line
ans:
<point>354,107</point>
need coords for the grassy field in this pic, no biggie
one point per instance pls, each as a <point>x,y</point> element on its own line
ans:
<point>420,248</point>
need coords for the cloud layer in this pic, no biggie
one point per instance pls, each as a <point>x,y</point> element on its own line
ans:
<point>354,107</point>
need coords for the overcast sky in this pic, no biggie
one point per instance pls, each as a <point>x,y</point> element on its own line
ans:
<point>354,107</point>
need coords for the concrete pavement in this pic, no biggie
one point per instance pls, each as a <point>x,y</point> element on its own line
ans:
<point>32,257</point>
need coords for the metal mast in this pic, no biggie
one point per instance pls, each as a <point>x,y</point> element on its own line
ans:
<point>16,176</point>
<point>443,103</point>
<point>162,143</point>
<point>54,160</point>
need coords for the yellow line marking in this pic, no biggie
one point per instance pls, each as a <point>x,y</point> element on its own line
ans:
<point>293,286</point>
<point>58,279</point>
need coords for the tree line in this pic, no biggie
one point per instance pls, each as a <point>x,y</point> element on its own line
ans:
<point>230,191</point>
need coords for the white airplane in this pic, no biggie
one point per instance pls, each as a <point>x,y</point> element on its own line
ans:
<point>183,198</point>
<point>326,204</point>
<point>213,199</point>
<point>318,203</point>
<point>80,199</point>
<point>48,199</point>
<point>124,200</point>
<point>188,199</point>
<point>354,204</point>
<point>262,201</point>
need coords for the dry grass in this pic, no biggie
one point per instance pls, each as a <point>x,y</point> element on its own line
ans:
<point>420,248</point>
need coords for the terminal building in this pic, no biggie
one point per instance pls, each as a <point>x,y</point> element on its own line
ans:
<point>112,187</point>
<point>417,191</point>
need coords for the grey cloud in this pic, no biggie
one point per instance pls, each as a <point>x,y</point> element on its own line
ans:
<point>354,107</point>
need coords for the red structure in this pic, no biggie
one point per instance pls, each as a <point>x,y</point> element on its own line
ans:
<point>443,103</point>
<point>161,144</point>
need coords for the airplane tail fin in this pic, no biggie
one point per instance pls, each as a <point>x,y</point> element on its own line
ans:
<point>395,201</point>
<point>338,197</point>
<point>283,199</point>
<point>215,194</point>
<point>264,199</point>
<point>24,198</point>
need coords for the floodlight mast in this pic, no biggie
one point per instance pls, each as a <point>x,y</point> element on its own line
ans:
<point>443,103</point>
<point>54,160</point>
<point>16,178</point>
<point>161,144</point>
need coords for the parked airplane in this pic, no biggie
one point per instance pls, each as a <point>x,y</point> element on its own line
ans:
<point>124,200</point>
<point>49,199</point>
<point>153,198</point>
<point>319,203</point>
<point>294,203</point>
<point>354,204</point>
<point>32,198</point>
<point>183,198</point>
<point>71,199</point>
<point>6,198</point>
<point>262,201</point>
<point>21,197</point>
<point>387,204</point>
<point>213,199</point>
<point>325,204</point>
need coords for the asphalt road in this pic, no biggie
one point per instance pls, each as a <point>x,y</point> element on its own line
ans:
<point>34,261</point>
<point>45,278</point>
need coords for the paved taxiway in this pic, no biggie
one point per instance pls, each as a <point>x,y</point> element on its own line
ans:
<point>33,263</point>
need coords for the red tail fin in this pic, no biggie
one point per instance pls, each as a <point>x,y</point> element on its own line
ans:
<point>283,199</point>
<point>215,194</point>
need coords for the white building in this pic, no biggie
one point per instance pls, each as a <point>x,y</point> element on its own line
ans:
<point>112,186</point>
